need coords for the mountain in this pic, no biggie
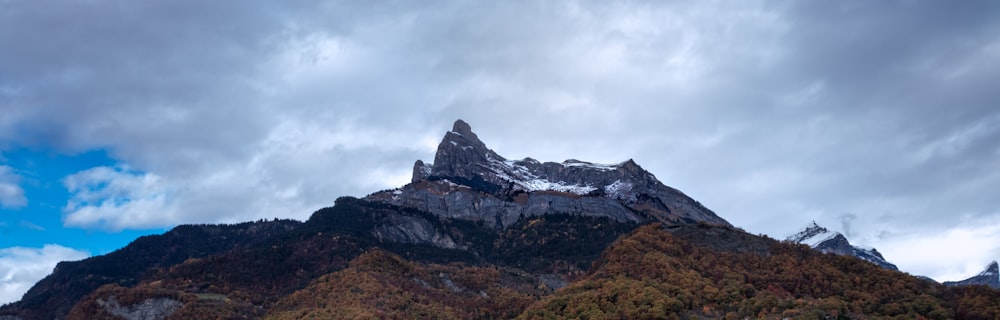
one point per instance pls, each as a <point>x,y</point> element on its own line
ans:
<point>989,277</point>
<point>471,206</point>
<point>827,241</point>
<point>476,236</point>
<point>469,181</point>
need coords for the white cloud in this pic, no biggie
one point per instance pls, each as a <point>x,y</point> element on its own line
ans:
<point>955,254</point>
<point>11,194</point>
<point>116,198</point>
<point>291,173</point>
<point>21,268</point>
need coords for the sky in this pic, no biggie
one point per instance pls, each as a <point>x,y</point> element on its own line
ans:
<point>879,119</point>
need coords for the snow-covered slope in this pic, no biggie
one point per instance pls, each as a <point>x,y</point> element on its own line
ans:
<point>824,240</point>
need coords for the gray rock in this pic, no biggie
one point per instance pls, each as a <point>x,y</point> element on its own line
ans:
<point>552,281</point>
<point>421,171</point>
<point>414,230</point>
<point>149,309</point>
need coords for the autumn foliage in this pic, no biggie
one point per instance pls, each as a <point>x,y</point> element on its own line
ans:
<point>654,274</point>
<point>541,267</point>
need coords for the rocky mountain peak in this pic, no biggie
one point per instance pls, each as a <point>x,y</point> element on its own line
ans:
<point>991,270</point>
<point>482,185</point>
<point>461,134</point>
<point>461,154</point>
<point>824,240</point>
<point>464,129</point>
<point>989,277</point>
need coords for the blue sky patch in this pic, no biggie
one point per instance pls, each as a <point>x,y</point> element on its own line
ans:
<point>40,221</point>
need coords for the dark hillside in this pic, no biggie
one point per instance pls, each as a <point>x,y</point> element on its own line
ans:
<point>251,279</point>
<point>53,296</point>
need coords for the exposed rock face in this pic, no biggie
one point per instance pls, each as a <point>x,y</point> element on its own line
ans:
<point>413,230</point>
<point>989,277</point>
<point>149,309</point>
<point>467,180</point>
<point>824,240</point>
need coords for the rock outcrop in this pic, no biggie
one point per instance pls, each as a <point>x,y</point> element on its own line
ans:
<point>149,309</point>
<point>469,181</point>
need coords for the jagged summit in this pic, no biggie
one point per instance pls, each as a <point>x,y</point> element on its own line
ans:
<point>459,154</point>
<point>812,235</point>
<point>463,129</point>
<point>462,156</point>
<point>989,277</point>
<point>471,181</point>
<point>824,240</point>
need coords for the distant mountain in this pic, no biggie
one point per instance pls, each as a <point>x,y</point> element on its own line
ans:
<point>989,277</point>
<point>824,240</point>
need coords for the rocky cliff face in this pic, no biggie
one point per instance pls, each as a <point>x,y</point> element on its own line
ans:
<point>989,277</point>
<point>469,181</point>
<point>824,240</point>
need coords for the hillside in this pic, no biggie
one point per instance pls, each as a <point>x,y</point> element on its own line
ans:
<point>654,273</point>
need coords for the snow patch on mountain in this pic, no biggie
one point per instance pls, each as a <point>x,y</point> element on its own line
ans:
<point>522,178</point>
<point>597,166</point>
<point>618,190</point>
<point>812,235</point>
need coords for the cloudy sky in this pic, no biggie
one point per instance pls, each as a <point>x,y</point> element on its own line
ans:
<point>880,119</point>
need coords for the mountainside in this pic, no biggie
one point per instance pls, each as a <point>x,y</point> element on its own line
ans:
<point>989,277</point>
<point>680,273</point>
<point>824,240</point>
<point>476,236</point>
